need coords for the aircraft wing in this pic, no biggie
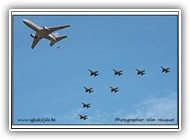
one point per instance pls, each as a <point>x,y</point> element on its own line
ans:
<point>52,29</point>
<point>35,41</point>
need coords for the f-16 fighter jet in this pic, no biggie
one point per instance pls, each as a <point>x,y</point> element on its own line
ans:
<point>83,117</point>
<point>93,73</point>
<point>86,105</point>
<point>140,72</point>
<point>44,32</point>
<point>114,89</point>
<point>118,72</point>
<point>88,89</point>
<point>166,70</point>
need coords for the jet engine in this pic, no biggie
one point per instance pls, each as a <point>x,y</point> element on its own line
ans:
<point>46,28</point>
<point>33,36</point>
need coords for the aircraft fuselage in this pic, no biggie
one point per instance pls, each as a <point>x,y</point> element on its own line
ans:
<point>40,32</point>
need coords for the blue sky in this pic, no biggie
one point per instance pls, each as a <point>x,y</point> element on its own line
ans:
<point>48,82</point>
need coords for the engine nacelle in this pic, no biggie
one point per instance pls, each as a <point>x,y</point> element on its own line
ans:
<point>33,36</point>
<point>46,28</point>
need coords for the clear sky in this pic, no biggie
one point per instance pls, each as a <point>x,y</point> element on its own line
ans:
<point>48,82</point>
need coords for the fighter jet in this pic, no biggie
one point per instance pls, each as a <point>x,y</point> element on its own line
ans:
<point>114,89</point>
<point>86,105</point>
<point>44,32</point>
<point>83,117</point>
<point>118,72</point>
<point>88,89</point>
<point>166,70</point>
<point>93,73</point>
<point>141,72</point>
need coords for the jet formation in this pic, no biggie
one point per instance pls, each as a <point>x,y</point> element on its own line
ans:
<point>113,89</point>
<point>45,32</point>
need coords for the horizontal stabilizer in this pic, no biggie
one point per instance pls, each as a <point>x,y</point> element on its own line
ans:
<point>60,38</point>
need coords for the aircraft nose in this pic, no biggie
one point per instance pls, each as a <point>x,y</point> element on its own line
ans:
<point>25,21</point>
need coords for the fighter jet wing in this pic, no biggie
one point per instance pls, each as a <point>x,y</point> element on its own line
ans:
<point>35,41</point>
<point>52,29</point>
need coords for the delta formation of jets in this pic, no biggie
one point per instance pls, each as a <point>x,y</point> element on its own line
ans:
<point>45,32</point>
<point>113,89</point>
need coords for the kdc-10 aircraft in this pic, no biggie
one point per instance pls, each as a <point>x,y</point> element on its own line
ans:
<point>44,32</point>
